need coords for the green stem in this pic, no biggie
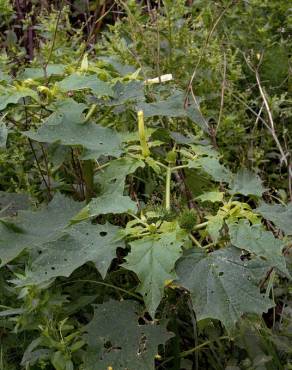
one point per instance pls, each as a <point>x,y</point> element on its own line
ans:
<point>195,241</point>
<point>101,167</point>
<point>167,188</point>
<point>200,226</point>
<point>90,113</point>
<point>138,219</point>
<point>179,167</point>
<point>209,245</point>
<point>161,164</point>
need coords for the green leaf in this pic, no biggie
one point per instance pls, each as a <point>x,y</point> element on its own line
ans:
<point>105,205</point>
<point>173,106</point>
<point>214,168</point>
<point>121,68</point>
<point>207,159</point>
<point>130,92</point>
<point>246,183</point>
<point>108,345</point>
<point>38,73</point>
<point>152,259</point>
<point>205,150</point>
<point>13,95</point>
<point>280,215</point>
<point>211,196</point>
<point>59,361</point>
<point>32,229</point>
<point>258,241</point>
<point>5,77</point>
<point>215,224</point>
<point>12,243</point>
<point>12,312</point>
<point>33,354</point>
<point>196,116</point>
<point>112,181</point>
<point>11,203</point>
<point>80,82</point>
<point>221,286</point>
<point>79,244</point>
<point>181,139</point>
<point>66,126</point>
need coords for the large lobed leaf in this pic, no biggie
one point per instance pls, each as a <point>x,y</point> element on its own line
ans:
<point>173,106</point>
<point>152,259</point>
<point>66,125</point>
<point>214,168</point>
<point>208,160</point>
<point>34,228</point>
<point>133,91</point>
<point>13,95</point>
<point>80,82</point>
<point>258,241</point>
<point>79,244</point>
<point>247,183</point>
<point>117,341</point>
<point>280,215</point>
<point>39,73</point>
<point>221,286</point>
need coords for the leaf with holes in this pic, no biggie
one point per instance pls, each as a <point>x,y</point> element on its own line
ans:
<point>247,183</point>
<point>30,229</point>
<point>66,125</point>
<point>262,243</point>
<point>79,244</point>
<point>152,259</point>
<point>280,215</point>
<point>112,181</point>
<point>109,347</point>
<point>221,286</point>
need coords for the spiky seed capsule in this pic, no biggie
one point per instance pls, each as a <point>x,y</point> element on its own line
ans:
<point>171,157</point>
<point>188,220</point>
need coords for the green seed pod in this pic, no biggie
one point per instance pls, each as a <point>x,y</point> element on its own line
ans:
<point>171,157</point>
<point>188,219</point>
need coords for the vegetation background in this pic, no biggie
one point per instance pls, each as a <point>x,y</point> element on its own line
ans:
<point>145,220</point>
